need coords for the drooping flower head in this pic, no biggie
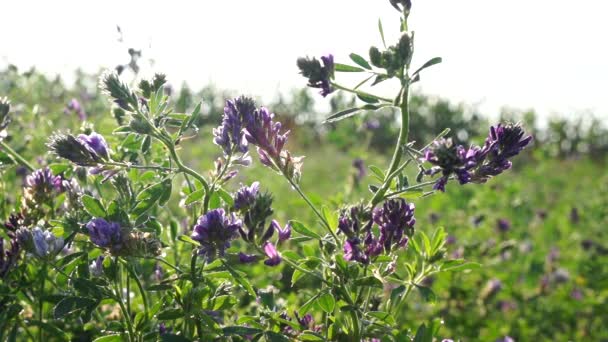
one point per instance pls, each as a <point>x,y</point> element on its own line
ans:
<point>214,231</point>
<point>255,208</point>
<point>105,234</point>
<point>318,75</point>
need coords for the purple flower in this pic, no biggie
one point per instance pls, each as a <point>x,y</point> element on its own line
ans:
<point>265,134</point>
<point>43,181</point>
<point>505,339</point>
<point>475,164</point>
<point>95,143</point>
<point>247,258</point>
<point>46,244</point>
<point>318,75</point>
<point>8,257</point>
<point>503,225</point>
<point>359,165</point>
<point>396,221</point>
<point>104,233</point>
<point>75,107</point>
<point>229,135</point>
<point>284,233</point>
<point>96,267</point>
<point>271,252</point>
<point>158,272</point>
<point>353,252</point>
<point>214,231</point>
<point>245,196</point>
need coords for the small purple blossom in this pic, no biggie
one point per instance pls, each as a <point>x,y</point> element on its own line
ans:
<point>158,272</point>
<point>96,267</point>
<point>503,225</point>
<point>271,252</point>
<point>247,258</point>
<point>359,166</point>
<point>95,143</point>
<point>104,233</point>
<point>214,231</point>
<point>74,106</point>
<point>246,195</point>
<point>285,232</point>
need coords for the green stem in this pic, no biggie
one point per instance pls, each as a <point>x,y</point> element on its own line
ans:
<point>337,86</point>
<point>401,142</point>
<point>140,167</point>
<point>303,270</point>
<point>312,206</point>
<point>41,303</point>
<point>16,157</point>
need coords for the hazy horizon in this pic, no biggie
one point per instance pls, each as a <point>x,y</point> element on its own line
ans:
<point>543,55</point>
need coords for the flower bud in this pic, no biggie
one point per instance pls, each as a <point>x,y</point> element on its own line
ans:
<point>375,57</point>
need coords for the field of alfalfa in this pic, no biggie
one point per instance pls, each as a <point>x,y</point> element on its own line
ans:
<point>133,210</point>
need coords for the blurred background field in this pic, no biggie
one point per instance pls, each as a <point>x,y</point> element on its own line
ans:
<point>539,231</point>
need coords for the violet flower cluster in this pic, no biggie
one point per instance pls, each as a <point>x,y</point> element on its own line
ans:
<point>84,150</point>
<point>395,225</point>
<point>214,231</point>
<point>243,124</point>
<point>475,164</point>
<point>105,234</point>
<point>318,75</point>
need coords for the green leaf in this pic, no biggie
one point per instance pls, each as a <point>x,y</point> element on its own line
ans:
<point>166,194</point>
<point>170,314</point>
<point>327,302</point>
<point>360,61</point>
<point>173,338</point>
<point>310,336</point>
<point>427,244</point>
<point>367,98</point>
<point>377,172</point>
<point>225,196</point>
<point>458,265</point>
<point>383,316</point>
<point>93,206</point>
<point>427,294</point>
<point>70,305</point>
<point>331,217</point>
<point>347,113</point>
<point>187,239</point>
<point>422,334</point>
<point>240,330</point>
<point>110,338</point>
<point>300,228</point>
<point>240,279</point>
<point>306,306</point>
<point>195,196</point>
<point>370,281</point>
<point>431,62</point>
<point>346,68</point>
<point>381,30</point>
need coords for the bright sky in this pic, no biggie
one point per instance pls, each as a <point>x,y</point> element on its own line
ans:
<point>547,54</point>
